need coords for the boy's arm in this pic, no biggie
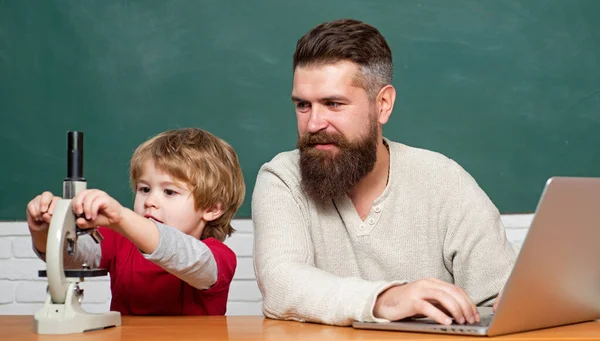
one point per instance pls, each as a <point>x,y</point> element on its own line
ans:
<point>177,253</point>
<point>180,254</point>
<point>139,230</point>
<point>184,256</point>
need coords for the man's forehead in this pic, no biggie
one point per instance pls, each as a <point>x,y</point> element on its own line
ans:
<point>342,68</point>
<point>326,80</point>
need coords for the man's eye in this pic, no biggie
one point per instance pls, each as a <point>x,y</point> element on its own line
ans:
<point>302,105</point>
<point>334,104</point>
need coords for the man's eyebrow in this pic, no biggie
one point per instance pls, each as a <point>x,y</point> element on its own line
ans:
<point>298,99</point>
<point>334,98</point>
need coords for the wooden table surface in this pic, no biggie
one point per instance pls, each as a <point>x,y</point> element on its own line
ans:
<point>258,328</point>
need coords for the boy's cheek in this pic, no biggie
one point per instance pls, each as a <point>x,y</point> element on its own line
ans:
<point>138,206</point>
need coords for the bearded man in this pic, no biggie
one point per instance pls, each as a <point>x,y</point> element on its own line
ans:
<point>354,227</point>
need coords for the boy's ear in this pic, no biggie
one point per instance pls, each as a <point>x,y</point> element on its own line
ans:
<point>213,213</point>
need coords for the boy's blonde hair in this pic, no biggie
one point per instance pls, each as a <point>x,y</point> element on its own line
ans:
<point>206,164</point>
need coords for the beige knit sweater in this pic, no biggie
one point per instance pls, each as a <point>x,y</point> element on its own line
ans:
<point>319,262</point>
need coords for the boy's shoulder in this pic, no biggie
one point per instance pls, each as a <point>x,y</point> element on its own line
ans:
<point>226,263</point>
<point>219,249</point>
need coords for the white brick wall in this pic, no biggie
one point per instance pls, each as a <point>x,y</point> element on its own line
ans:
<point>23,293</point>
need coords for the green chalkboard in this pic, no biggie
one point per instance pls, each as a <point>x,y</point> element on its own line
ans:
<point>510,89</point>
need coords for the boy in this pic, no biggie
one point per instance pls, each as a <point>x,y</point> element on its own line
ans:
<point>166,257</point>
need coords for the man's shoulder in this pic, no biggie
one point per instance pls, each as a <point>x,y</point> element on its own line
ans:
<point>422,166</point>
<point>285,165</point>
<point>283,171</point>
<point>288,158</point>
<point>419,158</point>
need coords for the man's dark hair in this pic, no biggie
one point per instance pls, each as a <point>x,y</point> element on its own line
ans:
<point>349,40</point>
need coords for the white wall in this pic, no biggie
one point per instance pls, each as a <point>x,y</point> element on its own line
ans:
<point>23,293</point>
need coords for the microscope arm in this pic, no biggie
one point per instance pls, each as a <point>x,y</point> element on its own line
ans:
<point>62,228</point>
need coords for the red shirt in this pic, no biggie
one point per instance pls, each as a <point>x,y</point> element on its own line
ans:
<point>140,287</point>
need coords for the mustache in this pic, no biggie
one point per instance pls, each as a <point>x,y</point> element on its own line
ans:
<point>321,137</point>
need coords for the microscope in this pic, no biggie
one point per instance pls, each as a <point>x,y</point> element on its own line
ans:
<point>62,312</point>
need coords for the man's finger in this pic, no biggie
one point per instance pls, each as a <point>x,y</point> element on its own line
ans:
<point>466,306</point>
<point>496,302</point>
<point>469,308</point>
<point>447,301</point>
<point>434,313</point>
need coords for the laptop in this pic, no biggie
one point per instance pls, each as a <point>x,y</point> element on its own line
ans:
<point>556,278</point>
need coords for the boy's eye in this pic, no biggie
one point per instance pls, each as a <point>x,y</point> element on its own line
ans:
<point>170,192</point>
<point>144,189</point>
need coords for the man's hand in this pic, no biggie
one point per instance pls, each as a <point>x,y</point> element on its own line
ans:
<point>497,300</point>
<point>96,208</point>
<point>431,297</point>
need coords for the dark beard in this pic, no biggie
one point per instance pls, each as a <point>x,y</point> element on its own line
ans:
<point>330,175</point>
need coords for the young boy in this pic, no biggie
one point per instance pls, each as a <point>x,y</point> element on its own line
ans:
<point>166,257</point>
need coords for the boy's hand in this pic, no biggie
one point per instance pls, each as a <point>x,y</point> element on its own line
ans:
<point>39,215</point>
<point>96,208</point>
<point>39,212</point>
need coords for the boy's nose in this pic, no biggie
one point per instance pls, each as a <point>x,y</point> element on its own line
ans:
<point>151,201</point>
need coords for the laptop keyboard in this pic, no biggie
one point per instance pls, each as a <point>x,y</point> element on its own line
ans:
<point>484,321</point>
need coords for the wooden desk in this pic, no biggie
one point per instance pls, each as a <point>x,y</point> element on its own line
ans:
<point>258,328</point>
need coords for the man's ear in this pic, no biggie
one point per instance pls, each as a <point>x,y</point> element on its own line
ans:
<point>385,103</point>
<point>213,213</point>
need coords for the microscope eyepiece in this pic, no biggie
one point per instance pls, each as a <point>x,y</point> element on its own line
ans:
<point>75,156</point>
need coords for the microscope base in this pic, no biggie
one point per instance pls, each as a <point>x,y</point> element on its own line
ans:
<point>70,318</point>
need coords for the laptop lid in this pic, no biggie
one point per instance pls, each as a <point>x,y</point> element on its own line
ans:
<point>556,277</point>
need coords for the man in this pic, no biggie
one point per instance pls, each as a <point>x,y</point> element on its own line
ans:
<point>352,226</point>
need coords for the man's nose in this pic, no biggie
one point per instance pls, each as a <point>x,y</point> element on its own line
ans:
<point>317,120</point>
